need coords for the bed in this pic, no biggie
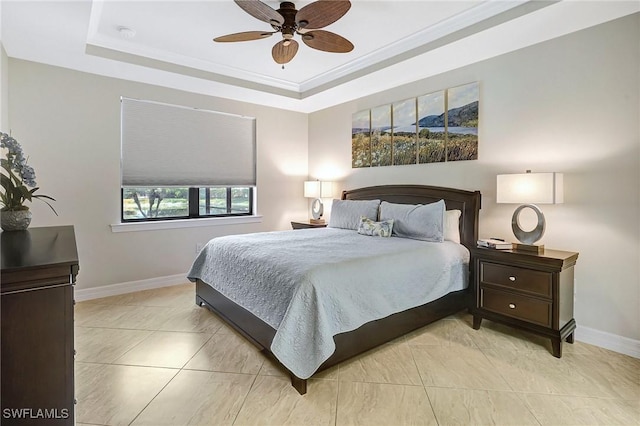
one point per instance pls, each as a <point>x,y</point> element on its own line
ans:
<point>265,328</point>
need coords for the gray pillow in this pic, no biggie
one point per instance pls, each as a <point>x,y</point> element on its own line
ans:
<point>418,221</point>
<point>347,213</point>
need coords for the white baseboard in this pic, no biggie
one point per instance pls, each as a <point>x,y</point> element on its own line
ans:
<point>623,345</point>
<point>82,294</point>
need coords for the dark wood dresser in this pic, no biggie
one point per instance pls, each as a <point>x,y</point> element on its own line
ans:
<point>526,290</point>
<point>39,268</point>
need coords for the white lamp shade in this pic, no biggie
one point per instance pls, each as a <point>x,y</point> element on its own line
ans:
<point>533,188</point>
<point>312,189</point>
<point>318,189</point>
<point>326,189</point>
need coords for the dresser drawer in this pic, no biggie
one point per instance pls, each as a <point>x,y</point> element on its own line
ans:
<point>516,306</point>
<point>515,278</point>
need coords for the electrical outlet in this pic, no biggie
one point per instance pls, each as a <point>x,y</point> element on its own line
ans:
<point>199,247</point>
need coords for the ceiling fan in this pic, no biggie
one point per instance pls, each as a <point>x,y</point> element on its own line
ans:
<point>305,22</point>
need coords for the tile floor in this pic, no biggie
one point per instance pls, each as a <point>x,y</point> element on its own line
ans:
<point>155,358</point>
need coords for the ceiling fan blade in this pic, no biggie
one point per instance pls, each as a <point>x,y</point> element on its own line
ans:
<point>261,11</point>
<point>327,41</point>
<point>321,13</point>
<point>245,36</point>
<point>283,54</point>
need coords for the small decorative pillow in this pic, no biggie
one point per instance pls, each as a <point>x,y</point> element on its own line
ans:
<point>375,229</point>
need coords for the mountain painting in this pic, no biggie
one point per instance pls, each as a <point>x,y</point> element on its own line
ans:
<point>361,139</point>
<point>433,128</point>
<point>404,132</point>
<point>431,125</point>
<point>381,136</point>
<point>462,122</point>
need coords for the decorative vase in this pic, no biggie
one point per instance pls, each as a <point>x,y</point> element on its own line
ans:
<point>15,220</point>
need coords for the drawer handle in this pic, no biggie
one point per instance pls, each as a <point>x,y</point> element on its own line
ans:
<point>512,278</point>
<point>512,306</point>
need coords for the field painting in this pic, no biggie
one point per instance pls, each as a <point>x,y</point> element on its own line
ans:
<point>361,139</point>
<point>404,132</point>
<point>462,122</point>
<point>381,148</point>
<point>431,128</point>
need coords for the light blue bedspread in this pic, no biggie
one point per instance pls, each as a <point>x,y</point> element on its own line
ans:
<point>312,284</point>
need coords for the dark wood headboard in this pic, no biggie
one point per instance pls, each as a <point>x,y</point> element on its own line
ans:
<point>468,202</point>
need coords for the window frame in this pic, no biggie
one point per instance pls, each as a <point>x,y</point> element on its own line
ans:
<point>193,200</point>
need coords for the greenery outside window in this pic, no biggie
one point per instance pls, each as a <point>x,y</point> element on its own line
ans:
<point>141,204</point>
<point>224,201</point>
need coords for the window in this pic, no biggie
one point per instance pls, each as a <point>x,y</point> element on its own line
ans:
<point>180,162</point>
<point>146,204</point>
<point>225,201</point>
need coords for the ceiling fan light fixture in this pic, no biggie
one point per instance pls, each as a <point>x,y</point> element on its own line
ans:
<point>288,21</point>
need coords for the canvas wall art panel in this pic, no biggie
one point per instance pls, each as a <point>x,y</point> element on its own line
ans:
<point>381,136</point>
<point>361,139</point>
<point>404,132</point>
<point>462,122</point>
<point>431,128</point>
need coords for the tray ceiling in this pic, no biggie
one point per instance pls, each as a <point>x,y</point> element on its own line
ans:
<point>395,42</point>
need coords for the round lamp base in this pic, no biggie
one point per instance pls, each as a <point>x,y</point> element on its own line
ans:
<point>528,237</point>
<point>317,209</point>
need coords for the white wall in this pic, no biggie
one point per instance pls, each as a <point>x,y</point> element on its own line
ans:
<point>4,90</point>
<point>4,83</point>
<point>569,105</point>
<point>68,123</point>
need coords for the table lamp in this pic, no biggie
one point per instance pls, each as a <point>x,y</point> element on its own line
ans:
<point>317,189</point>
<point>529,189</point>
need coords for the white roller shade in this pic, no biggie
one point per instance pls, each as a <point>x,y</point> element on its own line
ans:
<point>170,145</point>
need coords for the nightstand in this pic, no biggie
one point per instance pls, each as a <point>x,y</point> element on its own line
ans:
<point>307,224</point>
<point>526,290</point>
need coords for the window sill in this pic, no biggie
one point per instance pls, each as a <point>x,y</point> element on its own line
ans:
<point>184,223</point>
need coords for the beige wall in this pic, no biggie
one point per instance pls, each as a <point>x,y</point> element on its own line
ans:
<point>68,123</point>
<point>4,114</point>
<point>569,105</point>
<point>4,90</point>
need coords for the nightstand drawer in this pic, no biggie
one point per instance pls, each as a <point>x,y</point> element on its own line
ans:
<point>522,279</point>
<point>516,306</point>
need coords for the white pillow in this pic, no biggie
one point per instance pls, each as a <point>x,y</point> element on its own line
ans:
<point>418,221</point>
<point>346,214</point>
<point>452,225</point>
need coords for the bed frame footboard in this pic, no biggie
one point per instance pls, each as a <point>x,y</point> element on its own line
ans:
<point>256,331</point>
<point>348,345</point>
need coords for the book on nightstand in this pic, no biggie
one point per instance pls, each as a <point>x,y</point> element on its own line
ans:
<point>494,243</point>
